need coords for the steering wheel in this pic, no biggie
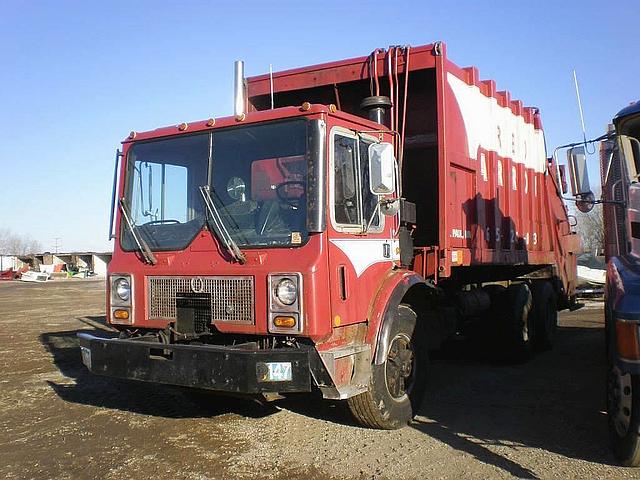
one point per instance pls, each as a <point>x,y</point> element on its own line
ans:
<point>162,222</point>
<point>294,202</point>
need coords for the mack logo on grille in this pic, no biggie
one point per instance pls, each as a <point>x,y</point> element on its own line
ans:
<point>197,285</point>
<point>231,298</point>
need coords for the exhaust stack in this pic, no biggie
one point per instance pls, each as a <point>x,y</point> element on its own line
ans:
<point>376,108</point>
<point>239,100</point>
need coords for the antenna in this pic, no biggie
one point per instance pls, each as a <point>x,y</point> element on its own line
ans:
<point>584,133</point>
<point>271,84</point>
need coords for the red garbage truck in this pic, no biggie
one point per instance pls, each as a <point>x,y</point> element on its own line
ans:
<point>348,218</point>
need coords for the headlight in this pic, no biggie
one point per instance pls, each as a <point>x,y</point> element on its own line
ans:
<point>122,287</point>
<point>286,291</point>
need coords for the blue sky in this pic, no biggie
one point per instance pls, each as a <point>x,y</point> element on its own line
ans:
<point>76,77</point>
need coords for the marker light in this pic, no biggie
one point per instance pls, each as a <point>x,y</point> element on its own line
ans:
<point>627,339</point>
<point>121,314</point>
<point>284,322</point>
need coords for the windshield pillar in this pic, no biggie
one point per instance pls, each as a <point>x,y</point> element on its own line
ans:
<point>317,175</point>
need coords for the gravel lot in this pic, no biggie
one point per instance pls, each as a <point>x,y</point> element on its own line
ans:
<point>481,420</point>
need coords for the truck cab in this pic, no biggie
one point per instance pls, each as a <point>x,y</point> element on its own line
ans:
<point>620,166</point>
<point>243,247</point>
<point>619,151</point>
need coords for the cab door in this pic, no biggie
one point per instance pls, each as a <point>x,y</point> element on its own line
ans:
<point>360,247</point>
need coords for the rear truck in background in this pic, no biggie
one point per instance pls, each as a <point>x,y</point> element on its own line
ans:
<point>347,219</point>
<point>619,152</point>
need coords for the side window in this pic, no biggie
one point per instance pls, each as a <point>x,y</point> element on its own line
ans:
<point>346,209</point>
<point>631,152</point>
<point>369,200</point>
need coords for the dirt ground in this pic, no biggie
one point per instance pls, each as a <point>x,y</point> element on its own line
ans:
<point>481,420</point>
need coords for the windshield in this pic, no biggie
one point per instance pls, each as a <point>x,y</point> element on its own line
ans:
<point>257,176</point>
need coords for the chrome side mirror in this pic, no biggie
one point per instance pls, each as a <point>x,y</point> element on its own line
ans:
<point>382,168</point>
<point>579,177</point>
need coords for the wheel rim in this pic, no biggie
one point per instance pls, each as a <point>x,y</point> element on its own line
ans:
<point>620,400</point>
<point>399,367</point>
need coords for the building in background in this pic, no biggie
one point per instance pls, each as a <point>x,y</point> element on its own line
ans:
<point>95,262</point>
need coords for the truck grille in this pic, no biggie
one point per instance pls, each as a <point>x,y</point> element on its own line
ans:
<point>231,297</point>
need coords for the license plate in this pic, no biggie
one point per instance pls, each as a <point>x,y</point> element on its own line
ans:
<point>86,356</point>
<point>275,372</point>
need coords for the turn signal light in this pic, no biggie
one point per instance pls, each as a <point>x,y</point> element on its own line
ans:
<point>627,339</point>
<point>121,314</point>
<point>284,322</point>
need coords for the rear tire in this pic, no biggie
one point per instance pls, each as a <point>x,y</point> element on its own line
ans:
<point>515,323</point>
<point>623,408</point>
<point>544,312</point>
<point>397,385</point>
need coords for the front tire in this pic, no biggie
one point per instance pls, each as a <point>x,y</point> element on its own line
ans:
<point>397,385</point>
<point>623,408</point>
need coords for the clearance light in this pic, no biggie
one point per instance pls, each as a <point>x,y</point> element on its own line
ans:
<point>132,135</point>
<point>211,122</point>
<point>627,339</point>
<point>121,314</point>
<point>241,117</point>
<point>183,126</point>
<point>305,106</point>
<point>333,108</point>
<point>284,322</point>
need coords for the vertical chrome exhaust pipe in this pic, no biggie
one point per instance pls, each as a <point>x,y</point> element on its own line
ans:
<point>239,100</point>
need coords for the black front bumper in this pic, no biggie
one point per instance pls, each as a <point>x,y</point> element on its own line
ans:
<point>219,368</point>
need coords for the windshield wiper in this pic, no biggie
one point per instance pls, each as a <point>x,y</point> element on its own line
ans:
<point>146,252</point>
<point>220,230</point>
